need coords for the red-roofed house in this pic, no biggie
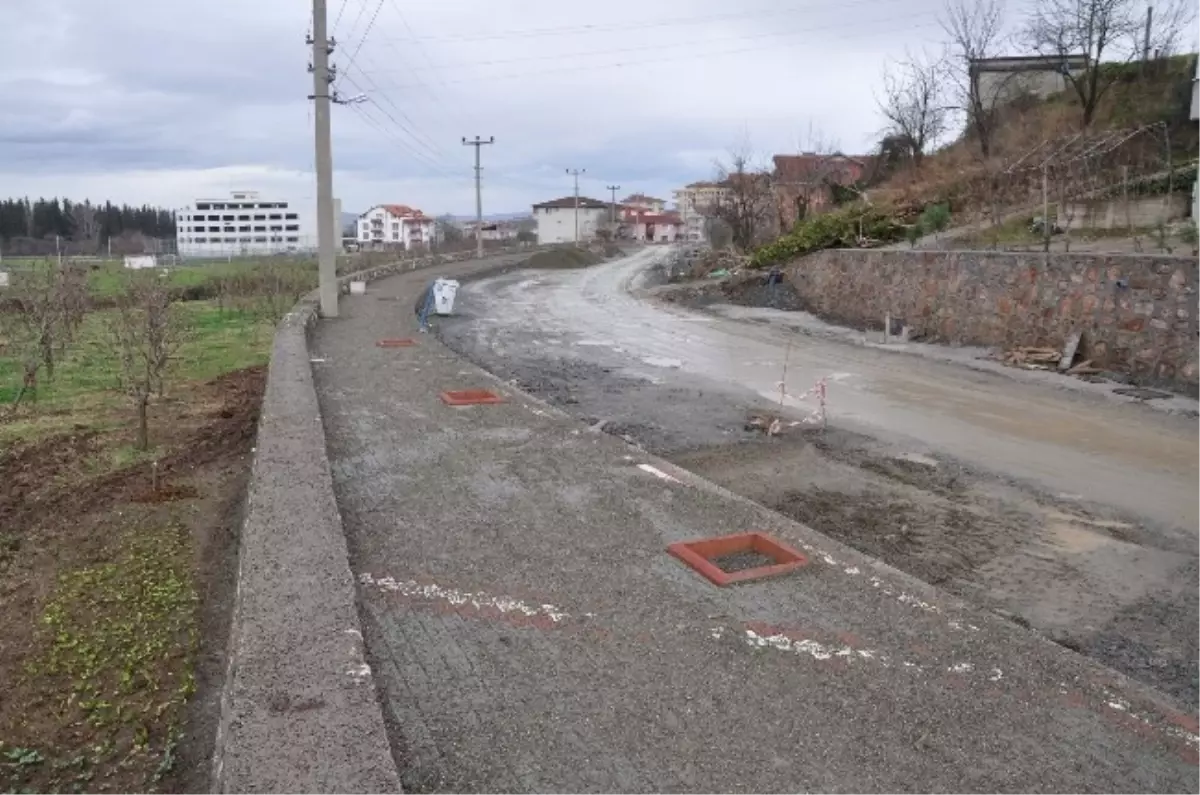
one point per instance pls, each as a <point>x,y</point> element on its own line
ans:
<point>640,201</point>
<point>650,226</point>
<point>395,226</point>
<point>802,182</point>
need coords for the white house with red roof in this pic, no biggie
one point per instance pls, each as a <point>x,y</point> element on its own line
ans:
<point>395,226</point>
<point>650,226</point>
<point>640,201</point>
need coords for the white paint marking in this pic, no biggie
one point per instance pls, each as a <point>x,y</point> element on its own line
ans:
<point>478,600</point>
<point>852,570</point>
<point>996,676</point>
<point>359,673</point>
<point>656,472</point>
<point>662,361</point>
<point>961,668</point>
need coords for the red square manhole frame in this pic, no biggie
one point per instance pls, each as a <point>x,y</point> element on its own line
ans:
<point>405,342</point>
<point>699,554</point>
<point>470,397</point>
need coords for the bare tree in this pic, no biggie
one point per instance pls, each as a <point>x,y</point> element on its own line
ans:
<point>913,102</point>
<point>1105,31</point>
<point>746,201</point>
<point>974,28</point>
<point>44,309</point>
<point>146,330</point>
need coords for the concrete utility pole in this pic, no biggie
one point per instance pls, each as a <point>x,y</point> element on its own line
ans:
<point>576,174</point>
<point>612,206</point>
<point>323,77</point>
<point>478,143</point>
<point>1146,39</point>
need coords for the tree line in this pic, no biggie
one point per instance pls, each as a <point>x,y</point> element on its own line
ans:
<point>39,225</point>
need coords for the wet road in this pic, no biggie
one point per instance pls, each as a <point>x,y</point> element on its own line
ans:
<point>1140,462</point>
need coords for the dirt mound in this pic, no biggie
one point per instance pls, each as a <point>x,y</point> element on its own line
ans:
<point>747,289</point>
<point>562,258</point>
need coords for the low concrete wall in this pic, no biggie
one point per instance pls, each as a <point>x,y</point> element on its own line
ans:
<point>1138,312</point>
<point>299,710</point>
<point>1138,211</point>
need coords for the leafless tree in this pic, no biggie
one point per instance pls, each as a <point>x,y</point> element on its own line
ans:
<point>975,32</point>
<point>1105,31</point>
<point>44,308</point>
<point>747,200</point>
<point>913,102</point>
<point>146,330</point>
<point>803,182</point>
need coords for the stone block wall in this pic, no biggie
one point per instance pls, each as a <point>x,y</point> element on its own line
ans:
<point>1138,312</point>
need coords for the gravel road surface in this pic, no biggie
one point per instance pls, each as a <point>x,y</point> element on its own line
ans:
<point>528,631</point>
<point>1063,510</point>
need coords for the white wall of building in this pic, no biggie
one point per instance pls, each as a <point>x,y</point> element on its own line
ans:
<point>381,227</point>
<point>244,223</point>
<point>557,224</point>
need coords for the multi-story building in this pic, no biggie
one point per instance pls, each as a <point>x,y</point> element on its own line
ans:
<point>803,183</point>
<point>651,227</point>
<point>242,223</point>
<point>695,204</point>
<point>640,201</point>
<point>395,226</point>
<point>569,219</point>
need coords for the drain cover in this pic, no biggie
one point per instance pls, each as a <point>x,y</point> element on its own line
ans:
<point>726,560</point>
<point>406,342</point>
<point>470,397</point>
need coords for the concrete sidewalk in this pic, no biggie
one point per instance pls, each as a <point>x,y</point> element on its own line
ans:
<point>528,631</point>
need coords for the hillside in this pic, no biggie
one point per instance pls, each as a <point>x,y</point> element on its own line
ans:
<point>974,188</point>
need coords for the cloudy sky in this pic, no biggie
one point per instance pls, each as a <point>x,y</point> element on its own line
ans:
<point>164,101</point>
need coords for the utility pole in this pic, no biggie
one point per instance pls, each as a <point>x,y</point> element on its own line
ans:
<point>612,206</point>
<point>576,174</point>
<point>323,77</point>
<point>478,143</point>
<point>1146,39</point>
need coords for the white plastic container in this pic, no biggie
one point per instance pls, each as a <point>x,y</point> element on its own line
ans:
<point>358,288</point>
<point>444,291</point>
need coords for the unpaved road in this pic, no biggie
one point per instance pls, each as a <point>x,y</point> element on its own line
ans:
<point>1069,513</point>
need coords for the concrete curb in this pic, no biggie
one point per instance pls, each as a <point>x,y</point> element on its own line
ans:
<point>299,711</point>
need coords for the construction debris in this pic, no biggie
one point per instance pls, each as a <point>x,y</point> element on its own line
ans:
<point>1032,358</point>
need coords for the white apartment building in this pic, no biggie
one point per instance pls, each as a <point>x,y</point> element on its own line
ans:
<point>640,201</point>
<point>243,223</point>
<point>694,203</point>
<point>556,219</point>
<point>395,226</point>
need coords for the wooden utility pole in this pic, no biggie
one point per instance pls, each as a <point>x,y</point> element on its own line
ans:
<point>478,143</point>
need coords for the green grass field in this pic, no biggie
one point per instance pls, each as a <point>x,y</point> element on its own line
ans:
<point>85,389</point>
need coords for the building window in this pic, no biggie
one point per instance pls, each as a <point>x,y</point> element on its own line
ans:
<point>293,240</point>
<point>276,239</point>
<point>292,228</point>
<point>291,217</point>
<point>243,240</point>
<point>276,228</point>
<point>202,205</point>
<point>245,228</point>
<point>260,239</point>
<point>226,217</point>
<point>217,207</point>
<point>260,218</point>
<point>260,229</point>
<point>202,240</point>
<point>276,217</point>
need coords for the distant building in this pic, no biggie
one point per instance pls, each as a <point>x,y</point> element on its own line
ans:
<point>695,204</point>
<point>244,223</point>
<point>395,226</point>
<point>1001,80</point>
<point>556,219</point>
<point>640,201</point>
<point>651,227</point>
<point>802,183</point>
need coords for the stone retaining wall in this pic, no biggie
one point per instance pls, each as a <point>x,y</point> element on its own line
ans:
<point>1138,312</point>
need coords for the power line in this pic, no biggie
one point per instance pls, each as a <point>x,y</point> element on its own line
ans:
<point>367,32</point>
<point>709,54</point>
<point>426,143</point>
<point>622,27</point>
<point>658,46</point>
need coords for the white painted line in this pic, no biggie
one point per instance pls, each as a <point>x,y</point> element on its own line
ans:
<point>479,600</point>
<point>658,473</point>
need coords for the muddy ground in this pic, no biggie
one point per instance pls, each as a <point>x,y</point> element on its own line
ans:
<point>97,551</point>
<point>1046,561</point>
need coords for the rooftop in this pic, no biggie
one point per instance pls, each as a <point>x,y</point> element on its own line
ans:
<point>569,201</point>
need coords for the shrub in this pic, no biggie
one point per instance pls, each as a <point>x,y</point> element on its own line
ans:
<point>834,229</point>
